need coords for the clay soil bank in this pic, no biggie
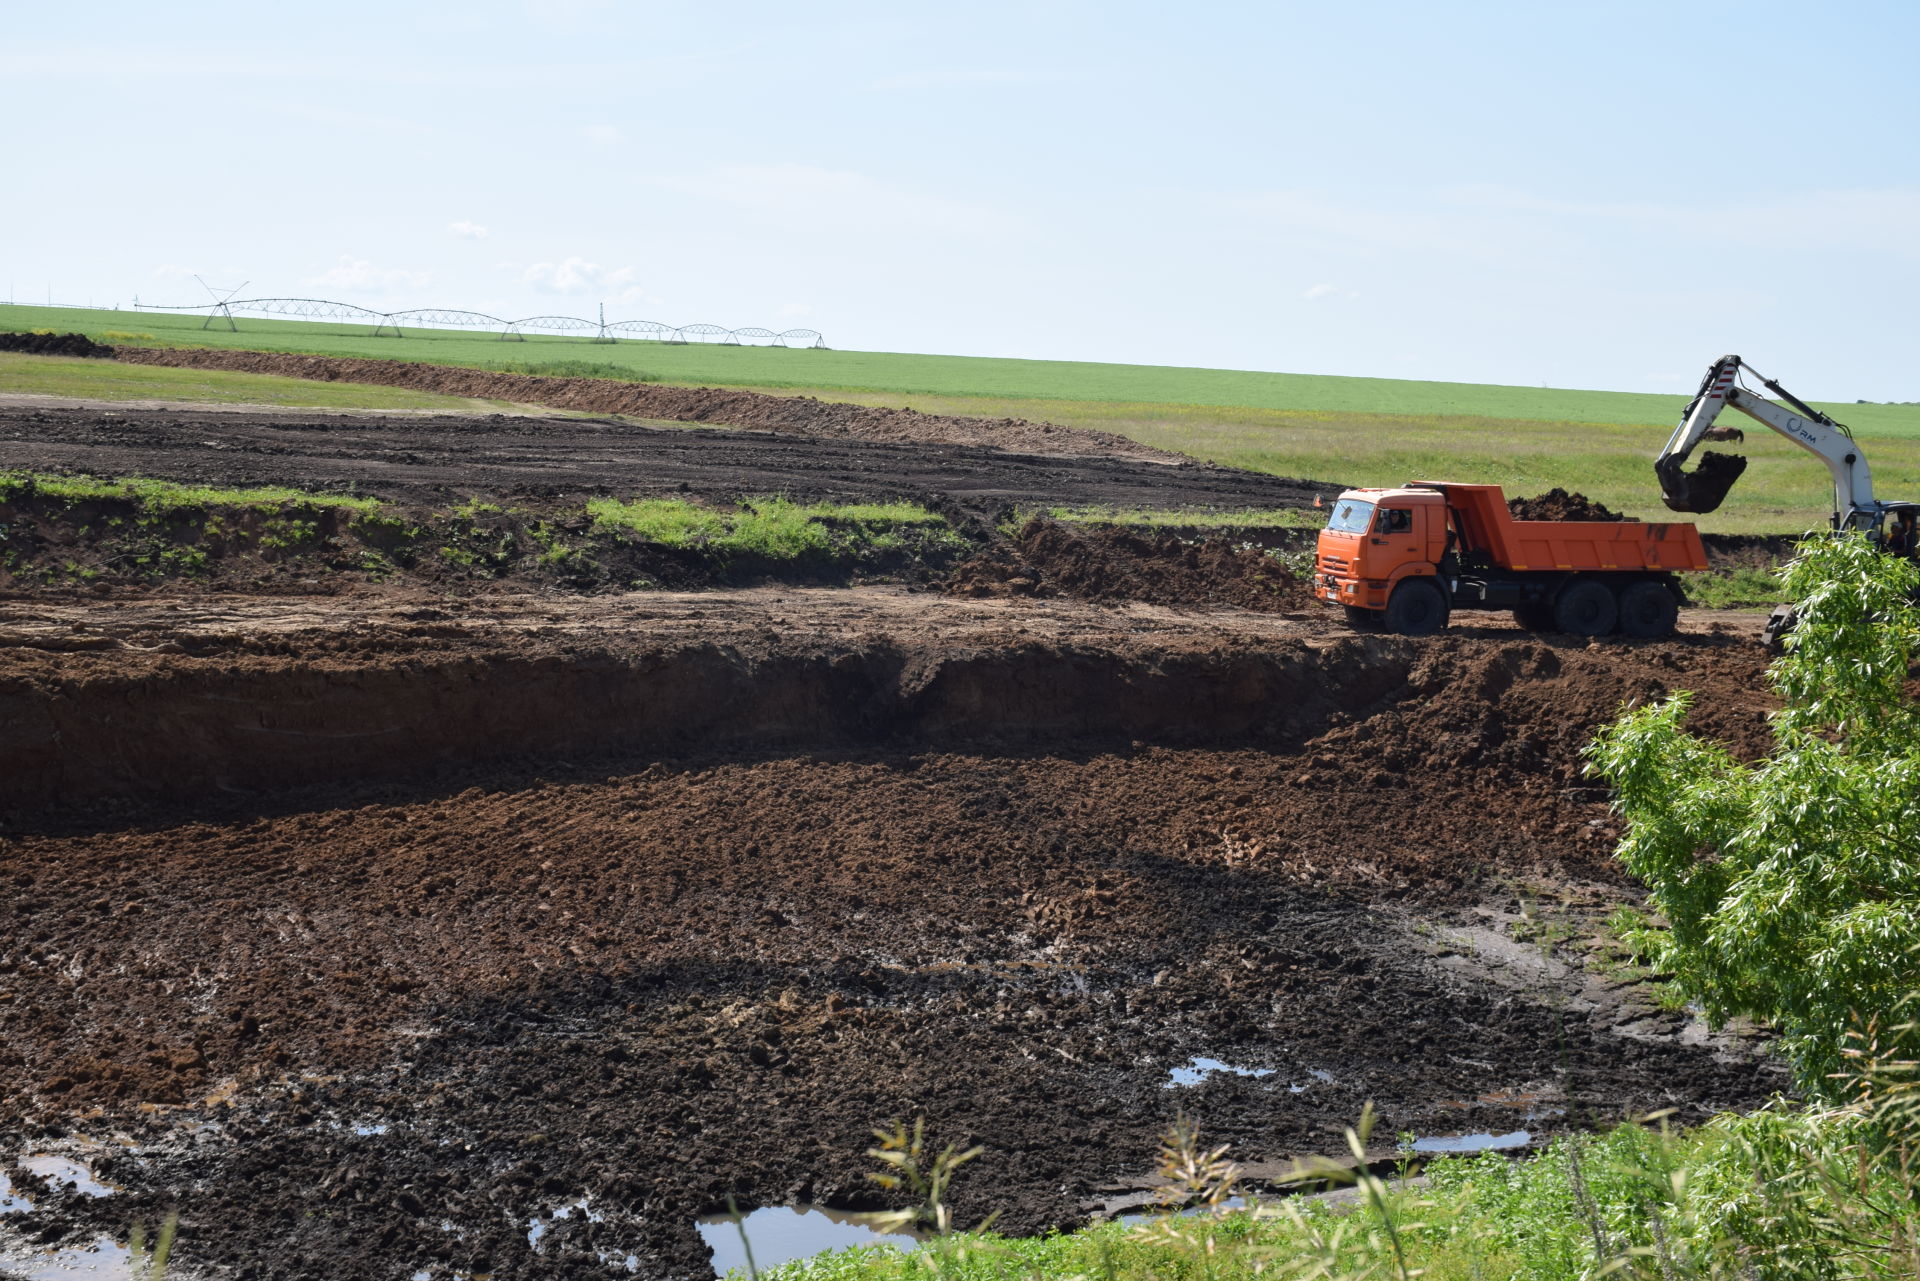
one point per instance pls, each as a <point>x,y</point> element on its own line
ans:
<point>368,930</point>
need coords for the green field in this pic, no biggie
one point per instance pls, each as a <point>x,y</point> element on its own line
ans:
<point>1364,431</point>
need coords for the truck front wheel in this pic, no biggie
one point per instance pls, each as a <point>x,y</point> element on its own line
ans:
<point>1416,608</point>
<point>1648,611</point>
<point>1585,607</point>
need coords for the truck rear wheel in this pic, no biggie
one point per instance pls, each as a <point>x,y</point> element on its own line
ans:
<point>1586,607</point>
<point>1648,611</point>
<point>1416,608</point>
<point>1535,617</point>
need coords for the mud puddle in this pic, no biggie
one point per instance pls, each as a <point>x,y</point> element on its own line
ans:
<point>782,1234</point>
<point>1457,1143</point>
<point>100,1259</point>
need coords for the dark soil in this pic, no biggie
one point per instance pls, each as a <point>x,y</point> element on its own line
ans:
<point>800,415</point>
<point>664,908</point>
<point>366,928</point>
<point>1105,563</point>
<point>54,345</point>
<point>1558,504</point>
<point>433,460</point>
<point>112,544</point>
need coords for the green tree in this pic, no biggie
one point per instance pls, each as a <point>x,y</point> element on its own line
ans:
<point>1790,887</point>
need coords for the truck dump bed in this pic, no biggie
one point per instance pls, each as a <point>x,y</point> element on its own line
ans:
<point>1487,526</point>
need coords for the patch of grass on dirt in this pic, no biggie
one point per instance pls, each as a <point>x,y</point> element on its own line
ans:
<point>1743,587</point>
<point>167,496</point>
<point>65,529</point>
<point>774,528</point>
<point>79,379</point>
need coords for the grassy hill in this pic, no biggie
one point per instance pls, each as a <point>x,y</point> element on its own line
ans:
<point>1361,431</point>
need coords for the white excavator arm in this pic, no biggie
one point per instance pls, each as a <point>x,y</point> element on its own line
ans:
<point>1704,489</point>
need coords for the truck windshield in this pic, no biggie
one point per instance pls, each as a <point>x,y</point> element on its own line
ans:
<point>1350,516</point>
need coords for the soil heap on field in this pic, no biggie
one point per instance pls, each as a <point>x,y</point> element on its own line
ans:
<point>1110,564</point>
<point>1558,504</point>
<point>54,345</point>
<point>802,415</point>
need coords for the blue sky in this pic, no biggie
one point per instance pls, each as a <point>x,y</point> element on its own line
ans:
<point>1578,195</point>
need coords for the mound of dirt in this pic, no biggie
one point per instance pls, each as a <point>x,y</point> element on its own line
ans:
<point>1558,504</point>
<point>801,415</point>
<point>55,345</point>
<point>1109,564</point>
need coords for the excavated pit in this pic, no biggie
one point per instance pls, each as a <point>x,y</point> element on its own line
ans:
<point>369,932</point>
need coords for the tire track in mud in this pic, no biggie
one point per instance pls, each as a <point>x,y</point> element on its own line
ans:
<point>839,873</point>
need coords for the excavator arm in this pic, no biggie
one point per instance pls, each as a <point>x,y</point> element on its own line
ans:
<point>1706,487</point>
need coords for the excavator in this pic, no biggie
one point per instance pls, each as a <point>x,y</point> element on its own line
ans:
<point>1705,488</point>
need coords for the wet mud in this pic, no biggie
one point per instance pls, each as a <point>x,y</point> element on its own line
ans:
<point>381,937</point>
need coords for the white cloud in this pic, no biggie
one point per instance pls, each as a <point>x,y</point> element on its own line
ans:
<point>580,276</point>
<point>605,135</point>
<point>1319,291</point>
<point>362,276</point>
<point>467,229</point>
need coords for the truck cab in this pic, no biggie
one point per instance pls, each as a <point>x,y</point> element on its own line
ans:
<point>1376,538</point>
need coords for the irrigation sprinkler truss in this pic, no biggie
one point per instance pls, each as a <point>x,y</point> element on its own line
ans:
<point>389,323</point>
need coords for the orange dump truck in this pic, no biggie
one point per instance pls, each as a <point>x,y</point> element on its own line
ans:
<point>1401,560</point>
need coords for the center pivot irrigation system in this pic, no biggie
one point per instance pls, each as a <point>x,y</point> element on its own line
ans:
<point>388,323</point>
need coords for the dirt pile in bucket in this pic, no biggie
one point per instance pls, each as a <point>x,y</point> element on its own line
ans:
<point>1109,564</point>
<point>54,345</point>
<point>802,415</point>
<point>1559,504</point>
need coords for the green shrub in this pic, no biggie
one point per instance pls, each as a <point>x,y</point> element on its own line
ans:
<point>1790,888</point>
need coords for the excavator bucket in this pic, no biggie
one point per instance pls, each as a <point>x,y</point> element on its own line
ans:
<point>1702,489</point>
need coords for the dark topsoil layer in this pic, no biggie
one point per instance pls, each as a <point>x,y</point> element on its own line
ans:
<point>425,459</point>
<point>886,876</point>
<point>803,415</point>
<point>1110,564</point>
<point>54,345</point>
